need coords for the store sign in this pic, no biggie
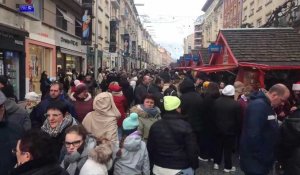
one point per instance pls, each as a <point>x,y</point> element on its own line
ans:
<point>69,41</point>
<point>213,48</point>
<point>26,8</point>
<point>87,8</point>
<point>7,38</point>
<point>187,57</point>
<point>113,36</point>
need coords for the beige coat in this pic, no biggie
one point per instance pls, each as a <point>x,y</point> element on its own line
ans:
<point>103,120</point>
<point>145,120</point>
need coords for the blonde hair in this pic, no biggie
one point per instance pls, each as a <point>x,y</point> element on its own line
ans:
<point>101,153</point>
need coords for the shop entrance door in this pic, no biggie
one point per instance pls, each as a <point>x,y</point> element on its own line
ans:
<point>40,60</point>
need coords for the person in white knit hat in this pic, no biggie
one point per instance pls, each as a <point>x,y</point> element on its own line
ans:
<point>32,99</point>
<point>227,127</point>
<point>296,94</point>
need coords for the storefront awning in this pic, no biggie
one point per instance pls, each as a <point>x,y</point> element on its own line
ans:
<point>65,16</point>
<point>72,52</point>
<point>183,68</point>
<point>215,68</point>
<point>269,67</point>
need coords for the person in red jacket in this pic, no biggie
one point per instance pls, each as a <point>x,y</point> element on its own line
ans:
<point>121,103</point>
<point>82,101</point>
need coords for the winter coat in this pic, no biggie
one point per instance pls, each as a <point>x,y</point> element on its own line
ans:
<point>140,91</point>
<point>60,138</point>
<point>145,120</point>
<point>192,105</point>
<point>289,144</point>
<point>259,136</point>
<point>82,106</point>
<point>92,85</point>
<point>209,114</point>
<point>171,143</point>
<point>134,159</point>
<point>91,167</point>
<point>73,163</point>
<point>39,167</point>
<point>121,104</point>
<point>128,91</point>
<point>104,117</point>
<point>227,116</point>
<point>9,135</point>
<point>17,115</point>
<point>38,117</point>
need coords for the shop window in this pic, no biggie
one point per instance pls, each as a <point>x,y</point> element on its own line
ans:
<point>78,27</point>
<point>61,22</point>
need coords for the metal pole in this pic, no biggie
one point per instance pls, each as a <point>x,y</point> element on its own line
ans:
<point>96,42</point>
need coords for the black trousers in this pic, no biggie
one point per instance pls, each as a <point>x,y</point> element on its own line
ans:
<point>206,145</point>
<point>224,145</point>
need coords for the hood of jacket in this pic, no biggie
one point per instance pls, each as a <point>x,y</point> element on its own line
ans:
<point>260,95</point>
<point>104,105</point>
<point>132,142</point>
<point>11,107</point>
<point>187,85</point>
<point>73,98</point>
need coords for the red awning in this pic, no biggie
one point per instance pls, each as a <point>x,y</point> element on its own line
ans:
<point>268,67</point>
<point>183,68</point>
<point>215,68</point>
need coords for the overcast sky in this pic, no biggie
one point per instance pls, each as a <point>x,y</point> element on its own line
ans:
<point>170,21</point>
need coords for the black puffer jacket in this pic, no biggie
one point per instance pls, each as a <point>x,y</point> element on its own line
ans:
<point>39,167</point>
<point>289,145</point>
<point>227,116</point>
<point>156,91</point>
<point>192,105</point>
<point>171,143</point>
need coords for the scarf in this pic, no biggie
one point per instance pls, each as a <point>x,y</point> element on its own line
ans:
<point>53,132</point>
<point>152,111</point>
<point>75,161</point>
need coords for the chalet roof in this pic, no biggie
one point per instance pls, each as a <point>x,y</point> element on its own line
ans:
<point>270,46</point>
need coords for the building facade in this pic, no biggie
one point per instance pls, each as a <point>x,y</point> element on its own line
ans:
<point>256,13</point>
<point>213,21</point>
<point>198,32</point>
<point>188,45</point>
<point>233,13</point>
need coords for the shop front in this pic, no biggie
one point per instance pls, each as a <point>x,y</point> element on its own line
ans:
<point>12,57</point>
<point>70,54</point>
<point>40,57</point>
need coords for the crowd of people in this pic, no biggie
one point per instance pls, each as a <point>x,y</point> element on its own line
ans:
<point>147,122</point>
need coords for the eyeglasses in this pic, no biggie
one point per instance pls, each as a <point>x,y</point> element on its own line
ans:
<point>75,143</point>
<point>54,115</point>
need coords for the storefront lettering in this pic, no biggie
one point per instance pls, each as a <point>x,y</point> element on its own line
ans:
<point>69,41</point>
<point>6,35</point>
<point>18,42</point>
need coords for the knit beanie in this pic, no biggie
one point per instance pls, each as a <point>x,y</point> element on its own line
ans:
<point>131,122</point>
<point>114,87</point>
<point>32,96</point>
<point>171,103</point>
<point>228,90</point>
<point>296,86</point>
<point>80,88</point>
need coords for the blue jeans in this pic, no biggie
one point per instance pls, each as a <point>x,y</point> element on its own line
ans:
<point>188,171</point>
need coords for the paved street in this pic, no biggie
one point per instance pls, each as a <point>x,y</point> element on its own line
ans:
<point>206,168</point>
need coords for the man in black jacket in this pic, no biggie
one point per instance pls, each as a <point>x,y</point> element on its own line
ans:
<point>171,144</point>
<point>192,108</point>
<point>142,89</point>
<point>227,122</point>
<point>156,90</point>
